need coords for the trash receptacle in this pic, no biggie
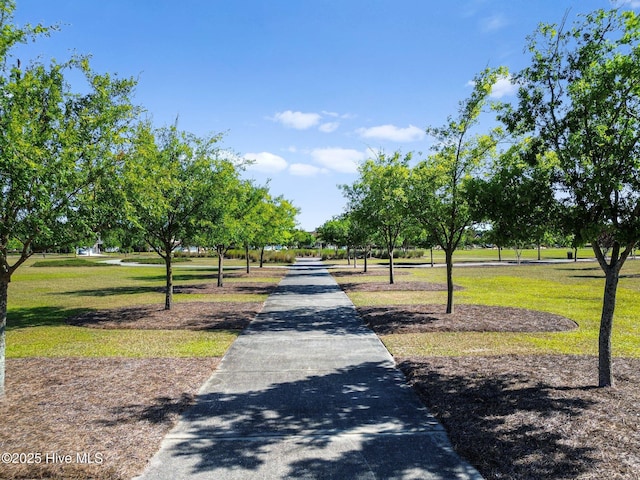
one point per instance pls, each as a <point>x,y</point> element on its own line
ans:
<point>569,255</point>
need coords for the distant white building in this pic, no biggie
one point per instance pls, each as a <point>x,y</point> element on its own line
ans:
<point>89,251</point>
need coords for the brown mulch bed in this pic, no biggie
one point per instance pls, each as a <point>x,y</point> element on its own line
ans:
<point>470,318</point>
<point>182,316</point>
<point>358,272</point>
<point>114,410</point>
<point>535,417</point>
<point>228,288</point>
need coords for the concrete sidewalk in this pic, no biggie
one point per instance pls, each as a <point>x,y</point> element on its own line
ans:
<point>307,392</point>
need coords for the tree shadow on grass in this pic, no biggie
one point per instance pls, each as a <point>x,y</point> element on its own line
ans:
<point>506,425</point>
<point>38,317</point>
<point>113,291</point>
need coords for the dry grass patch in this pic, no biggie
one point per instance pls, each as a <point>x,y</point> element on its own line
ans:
<point>116,410</point>
<point>534,417</point>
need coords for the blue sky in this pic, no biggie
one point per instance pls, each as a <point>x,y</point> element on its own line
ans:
<point>307,88</point>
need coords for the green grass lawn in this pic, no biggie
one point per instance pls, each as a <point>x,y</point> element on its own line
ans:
<point>42,297</point>
<point>573,290</point>
<point>482,255</point>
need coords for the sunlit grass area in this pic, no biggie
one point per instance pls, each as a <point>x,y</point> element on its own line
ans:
<point>42,297</point>
<point>66,341</point>
<point>573,290</point>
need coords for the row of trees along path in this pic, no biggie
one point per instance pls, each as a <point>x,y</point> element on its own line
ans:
<point>77,165</point>
<point>563,156</point>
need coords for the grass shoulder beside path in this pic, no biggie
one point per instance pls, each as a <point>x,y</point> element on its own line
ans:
<point>516,403</point>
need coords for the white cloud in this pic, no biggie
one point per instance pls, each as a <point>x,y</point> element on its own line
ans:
<point>329,127</point>
<point>493,23</point>
<point>342,160</point>
<point>630,3</point>
<point>503,88</point>
<point>266,162</point>
<point>393,133</point>
<point>305,170</point>
<point>297,120</point>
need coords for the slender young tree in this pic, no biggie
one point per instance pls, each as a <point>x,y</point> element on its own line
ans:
<point>379,198</point>
<point>336,232</point>
<point>277,223</point>
<point>169,177</point>
<point>230,207</point>
<point>438,198</point>
<point>253,198</point>
<point>580,99</point>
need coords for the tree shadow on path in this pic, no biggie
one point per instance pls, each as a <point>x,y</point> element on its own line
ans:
<point>357,422</point>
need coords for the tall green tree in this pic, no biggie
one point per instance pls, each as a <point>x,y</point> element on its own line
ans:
<point>580,99</point>
<point>230,208</point>
<point>169,177</point>
<point>379,198</point>
<point>335,231</point>
<point>438,198</point>
<point>55,145</point>
<point>517,199</point>
<point>277,221</point>
<point>254,198</point>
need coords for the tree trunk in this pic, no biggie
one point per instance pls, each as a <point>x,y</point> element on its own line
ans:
<point>605,373</point>
<point>220,267</point>
<point>348,256</point>
<point>431,251</point>
<point>448,253</point>
<point>366,254</point>
<point>539,257</point>
<point>355,257</point>
<point>499,254</point>
<point>4,289</point>
<point>612,275</point>
<point>575,254</point>
<point>246,255</point>
<point>168,298</point>
<point>391,279</point>
<point>261,257</point>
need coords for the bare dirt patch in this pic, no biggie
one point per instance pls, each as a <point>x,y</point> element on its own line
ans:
<point>534,417</point>
<point>466,318</point>
<point>182,316</point>
<point>116,411</point>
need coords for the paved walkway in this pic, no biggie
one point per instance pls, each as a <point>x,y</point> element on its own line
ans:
<point>307,392</point>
